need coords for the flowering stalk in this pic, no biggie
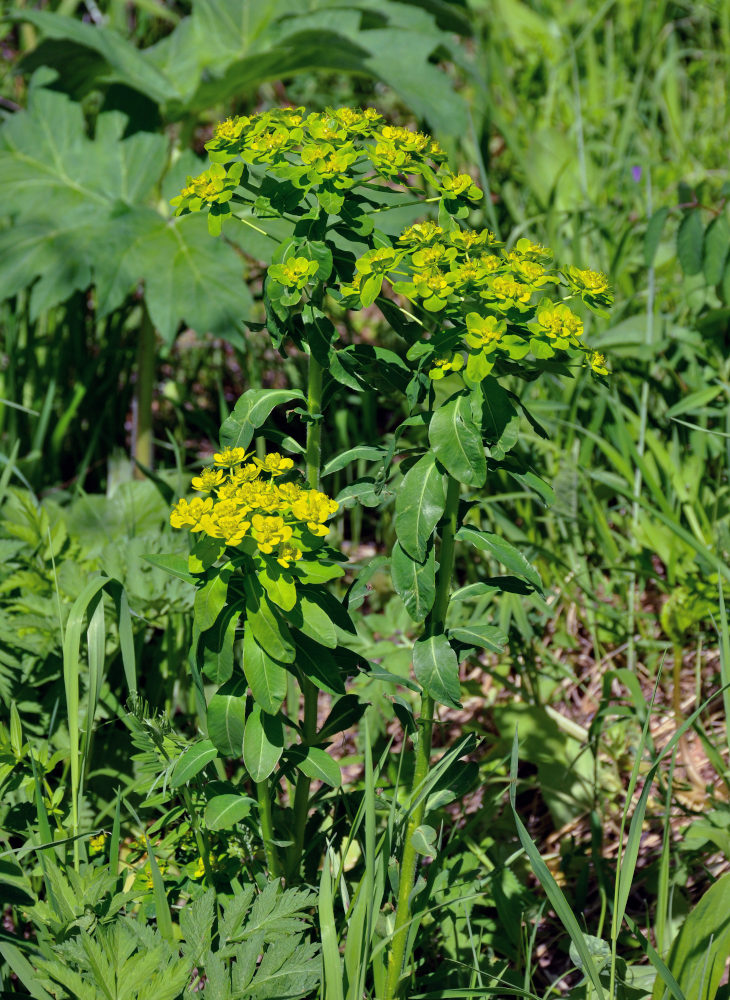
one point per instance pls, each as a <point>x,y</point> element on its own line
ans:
<point>435,624</point>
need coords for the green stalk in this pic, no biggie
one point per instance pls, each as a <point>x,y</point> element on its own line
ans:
<point>313,461</point>
<point>146,357</point>
<point>435,624</point>
<point>267,828</point>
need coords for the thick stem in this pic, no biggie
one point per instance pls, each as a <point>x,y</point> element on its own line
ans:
<point>267,828</point>
<point>435,624</point>
<point>146,357</point>
<point>313,461</point>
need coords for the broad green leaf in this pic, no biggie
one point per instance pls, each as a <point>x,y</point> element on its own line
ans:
<point>250,412</point>
<point>414,582</point>
<point>457,442</point>
<point>345,712</point>
<point>499,418</point>
<point>279,587</point>
<point>319,665</point>
<point>266,678</point>
<point>700,950</point>
<point>486,636</point>
<point>437,669</point>
<point>419,505</point>
<point>653,234</point>
<point>313,621</point>
<point>503,551</point>
<point>309,571</point>
<point>269,631</point>
<point>424,841</point>
<point>717,247</point>
<point>318,765</point>
<point>225,811</point>
<point>128,64</point>
<point>209,602</point>
<point>71,195</point>
<point>216,645</point>
<point>263,743</point>
<point>192,762</point>
<point>227,718</point>
<point>690,240</point>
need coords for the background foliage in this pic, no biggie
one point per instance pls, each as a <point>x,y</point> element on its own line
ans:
<point>596,129</point>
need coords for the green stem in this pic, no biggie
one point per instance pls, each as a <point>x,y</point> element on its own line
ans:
<point>435,624</point>
<point>314,428</point>
<point>313,461</point>
<point>301,796</point>
<point>146,357</point>
<point>267,828</point>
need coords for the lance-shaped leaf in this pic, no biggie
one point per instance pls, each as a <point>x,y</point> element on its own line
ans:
<point>227,718</point>
<point>486,636</point>
<point>270,632</point>
<point>225,811</point>
<point>437,669</point>
<point>419,505</point>
<point>414,582</point>
<point>266,678</point>
<point>504,552</point>
<point>192,762</point>
<point>457,441</point>
<point>250,412</point>
<point>263,743</point>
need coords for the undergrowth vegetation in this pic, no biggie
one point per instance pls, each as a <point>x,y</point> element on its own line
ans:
<point>363,625</point>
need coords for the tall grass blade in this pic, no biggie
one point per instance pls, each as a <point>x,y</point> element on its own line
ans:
<point>551,887</point>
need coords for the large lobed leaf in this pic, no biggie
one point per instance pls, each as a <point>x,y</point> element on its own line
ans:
<point>80,216</point>
<point>226,47</point>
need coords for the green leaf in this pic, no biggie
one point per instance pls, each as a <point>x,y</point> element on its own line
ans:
<point>318,765</point>
<point>216,645</point>
<point>279,587</point>
<point>250,412</point>
<point>269,631</point>
<point>654,234</point>
<point>225,811</point>
<point>437,669</point>
<point>424,841</point>
<point>209,602</point>
<point>414,582</point>
<point>419,505</point>
<point>175,564</point>
<point>699,952</point>
<point>362,451</point>
<point>554,893</point>
<point>227,718</point>
<point>690,240</point>
<point>318,664</point>
<point>457,442</point>
<point>192,762</point>
<point>345,712</point>
<point>71,195</point>
<point>313,621</point>
<point>486,636</point>
<point>717,247</point>
<point>504,552</point>
<point>263,743</point>
<point>266,678</point>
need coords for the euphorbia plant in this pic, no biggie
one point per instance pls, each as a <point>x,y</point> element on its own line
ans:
<point>473,317</point>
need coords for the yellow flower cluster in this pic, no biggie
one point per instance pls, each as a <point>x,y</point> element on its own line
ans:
<point>336,149</point>
<point>245,500</point>
<point>470,277</point>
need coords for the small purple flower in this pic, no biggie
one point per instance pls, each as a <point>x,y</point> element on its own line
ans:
<point>636,173</point>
